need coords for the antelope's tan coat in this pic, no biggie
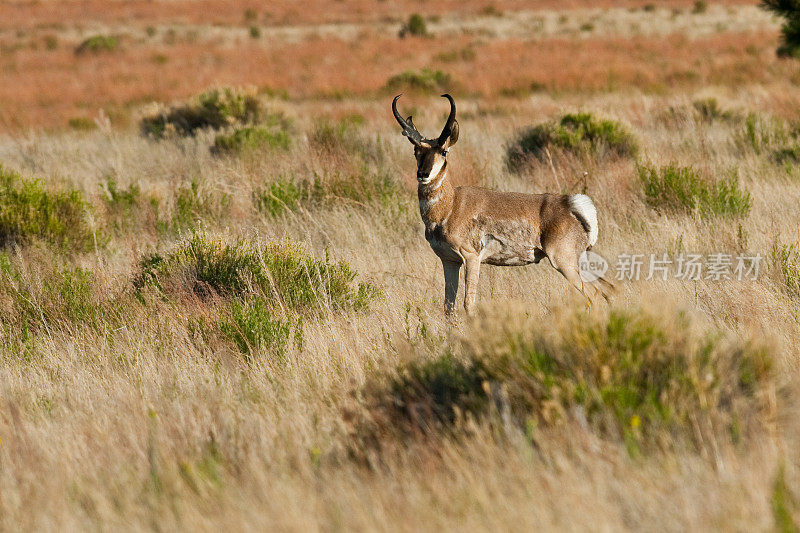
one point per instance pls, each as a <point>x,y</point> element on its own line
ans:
<point>470,226</point>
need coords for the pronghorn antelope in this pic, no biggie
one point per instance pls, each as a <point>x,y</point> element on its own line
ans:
<point>472,225</point>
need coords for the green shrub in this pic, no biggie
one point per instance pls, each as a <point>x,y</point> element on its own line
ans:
<point>700,6</point>
<point>645,381</point>
<point>121,199</point>
<point>81,124</point>
<point>442,388</point>
<point>28,211</point>
<point>72,292</point>
<point>215,109</point>
<point>280,196</point>
<point>280,273</point>
<point>415,26</point>
<point>194,205</point>
<point>50,42</point>
<point>286,194</point>
<point>684,189</point>
<point>97,44</point>
<point>579,134</point>
<point>254,325</point>
<point>255,32</point>
<point>425,80</point>
<point>251,139</point>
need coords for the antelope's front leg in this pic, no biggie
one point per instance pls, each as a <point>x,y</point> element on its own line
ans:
<point>451,275</point>
<point>473,268</point>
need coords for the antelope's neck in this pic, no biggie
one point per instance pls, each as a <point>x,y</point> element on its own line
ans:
<point>436,199</point>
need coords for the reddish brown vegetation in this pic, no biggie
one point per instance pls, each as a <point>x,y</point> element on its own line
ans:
<point>26,14</point>
<point>47,87</point>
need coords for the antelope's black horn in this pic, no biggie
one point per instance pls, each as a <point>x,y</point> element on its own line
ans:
<point>408,125</point>
<point>451,119</point>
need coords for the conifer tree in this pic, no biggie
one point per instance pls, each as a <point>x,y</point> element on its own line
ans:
<point>790,31</point>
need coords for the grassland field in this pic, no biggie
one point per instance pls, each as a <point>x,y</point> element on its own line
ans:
<point>218,309</point>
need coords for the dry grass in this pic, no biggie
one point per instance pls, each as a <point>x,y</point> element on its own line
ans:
<point>197,409</point>
<point>146,415</point>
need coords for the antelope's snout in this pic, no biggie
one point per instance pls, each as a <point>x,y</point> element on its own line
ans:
<point>429,164</point>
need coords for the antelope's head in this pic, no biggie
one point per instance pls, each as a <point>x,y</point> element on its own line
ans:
<point>431,154</point>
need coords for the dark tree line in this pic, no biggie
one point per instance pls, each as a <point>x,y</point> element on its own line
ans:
<point>790,31</point>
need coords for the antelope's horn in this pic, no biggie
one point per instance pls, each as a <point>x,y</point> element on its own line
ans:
<point>451,119</point>
<point>407,124</point>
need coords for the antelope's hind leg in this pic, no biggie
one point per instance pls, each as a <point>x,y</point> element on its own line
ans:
<point>564,256</point>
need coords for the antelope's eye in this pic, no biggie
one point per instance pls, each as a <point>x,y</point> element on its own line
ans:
<point>444,153</point>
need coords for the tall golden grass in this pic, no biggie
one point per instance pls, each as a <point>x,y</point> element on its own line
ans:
<point>123,408</point>
<point>143,417</point>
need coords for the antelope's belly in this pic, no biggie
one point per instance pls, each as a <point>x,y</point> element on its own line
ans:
<point>500,251</point>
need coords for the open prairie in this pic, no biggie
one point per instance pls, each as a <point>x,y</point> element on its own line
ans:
<point>218,307</point>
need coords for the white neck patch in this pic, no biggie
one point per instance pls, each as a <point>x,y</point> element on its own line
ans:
<point>426,204</point>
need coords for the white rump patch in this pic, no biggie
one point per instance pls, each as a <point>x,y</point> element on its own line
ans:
<point>582,205</point>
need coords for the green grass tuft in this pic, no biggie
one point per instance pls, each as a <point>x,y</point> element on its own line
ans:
<point>709,110</point>
<point>580,134</point>
<point>630,376</point>
<point>251,139</point>
<point>254,325</point>
<point>215,109</point>
<point>286,194</point>
<point>48,296</point>
<point>782,502</point>
<point>423,81</point>
<point>684,189</point>
<point>81,124</point>
<point>787,259</point>
<point>415,26</point>
<point>30,212</point>
<point>280,273</point>
<point>193,206</point>
<point>97,44</point>
<point>761,135</point>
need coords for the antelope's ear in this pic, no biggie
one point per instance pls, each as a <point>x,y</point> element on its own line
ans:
<point>453,137</point>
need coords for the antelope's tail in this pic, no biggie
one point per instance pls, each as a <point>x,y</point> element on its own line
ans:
<point>582,207</point>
